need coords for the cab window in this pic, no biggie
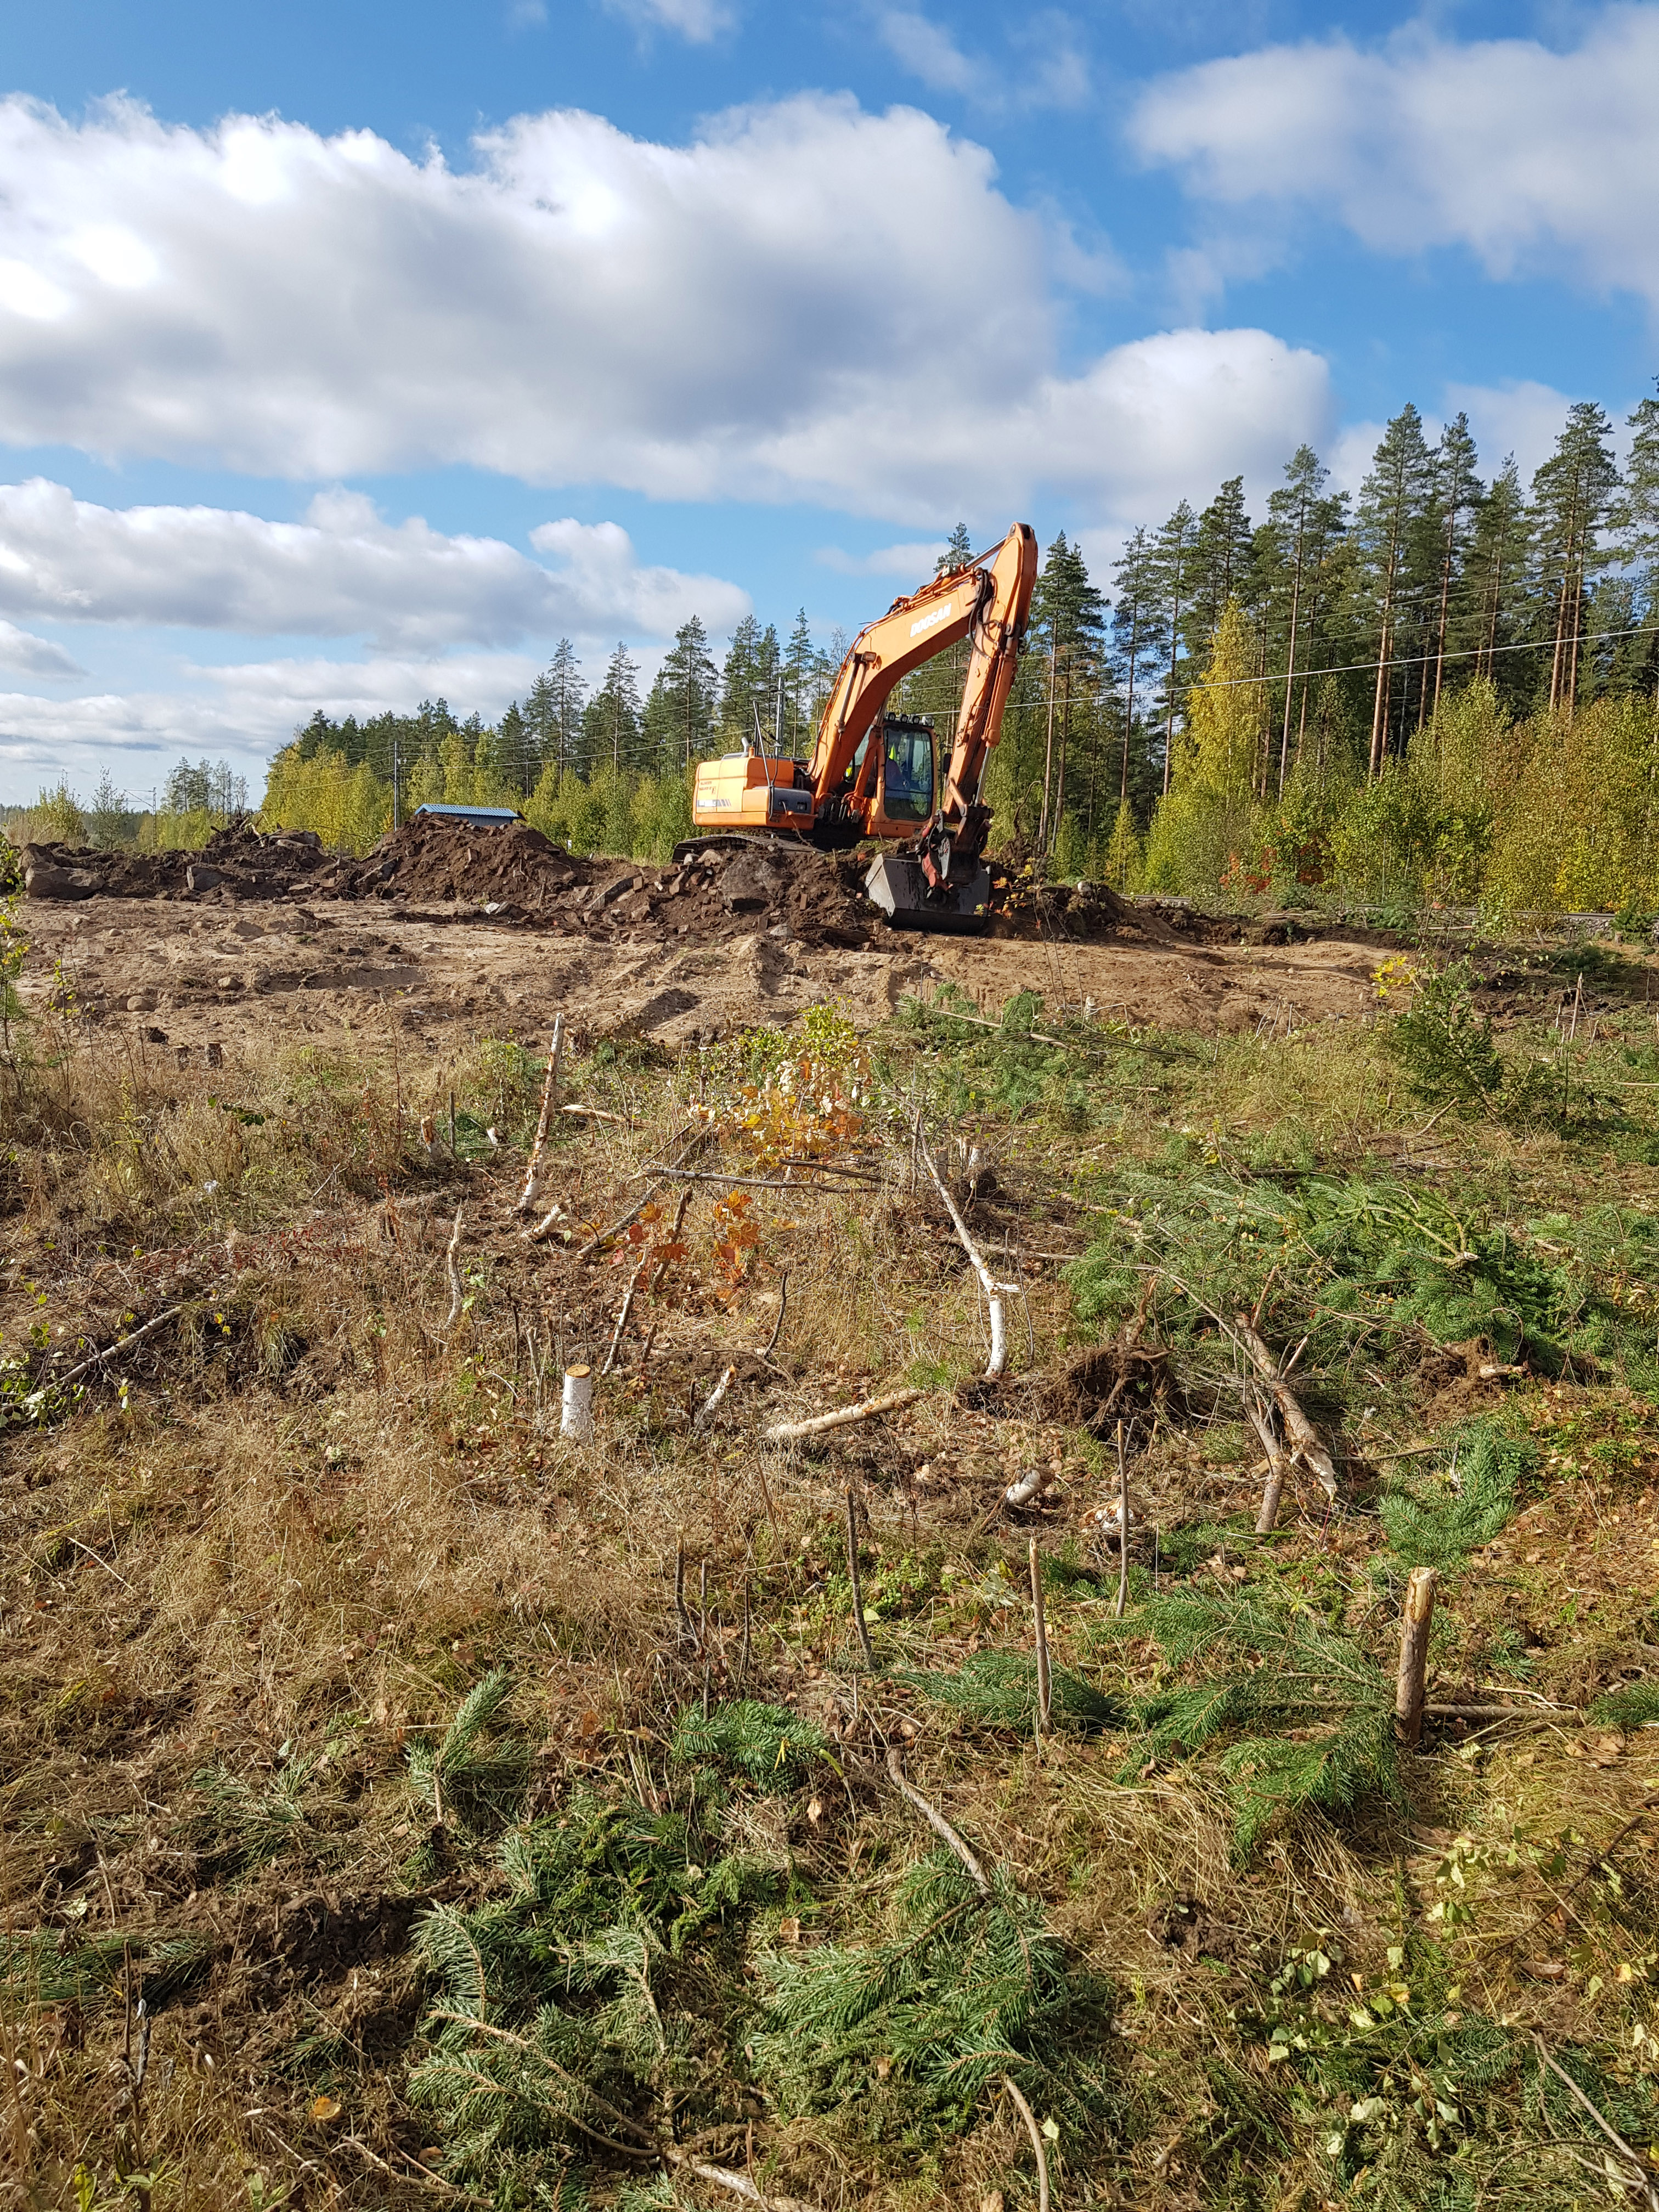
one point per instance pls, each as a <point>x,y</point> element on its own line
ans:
<point>908,781</point>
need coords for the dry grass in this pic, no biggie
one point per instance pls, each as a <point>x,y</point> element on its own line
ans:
<point>234,1598</point>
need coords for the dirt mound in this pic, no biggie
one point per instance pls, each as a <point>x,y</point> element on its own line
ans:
<point>436,856</point>
<point>240,862</point>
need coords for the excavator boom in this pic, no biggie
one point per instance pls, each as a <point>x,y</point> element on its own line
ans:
<point>872,776</point>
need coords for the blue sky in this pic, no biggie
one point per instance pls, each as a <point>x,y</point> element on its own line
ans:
<point>352,353</point>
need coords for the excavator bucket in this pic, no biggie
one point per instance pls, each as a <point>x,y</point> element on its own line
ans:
<point>905,894</point>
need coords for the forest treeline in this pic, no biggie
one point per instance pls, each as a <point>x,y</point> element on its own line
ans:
<point>1444,689</point>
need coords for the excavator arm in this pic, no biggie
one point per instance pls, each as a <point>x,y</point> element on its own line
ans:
<point>851,790</point>
<point>987,600</point>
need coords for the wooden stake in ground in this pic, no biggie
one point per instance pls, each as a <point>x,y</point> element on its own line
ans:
<point>1122,1528</point>
<point>1409,1685</point>
<point>1045,1679</point>
<point>530,1195</point>
<point>859,1621</point>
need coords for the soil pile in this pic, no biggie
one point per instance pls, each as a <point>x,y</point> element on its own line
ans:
<point>240,862</point>
<point>436,856</point>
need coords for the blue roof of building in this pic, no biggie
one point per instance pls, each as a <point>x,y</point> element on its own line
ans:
<point>471,813</point>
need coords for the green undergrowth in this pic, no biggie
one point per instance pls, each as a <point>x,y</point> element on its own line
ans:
<point>1411,2100</point>
<point>638,1978</point>
<point>1377,1263</point>
<point>1438,1522</point>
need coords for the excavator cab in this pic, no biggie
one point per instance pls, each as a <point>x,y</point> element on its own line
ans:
<point>907,781</point>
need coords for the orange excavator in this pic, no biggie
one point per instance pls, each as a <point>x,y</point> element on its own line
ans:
<point>872,774</point>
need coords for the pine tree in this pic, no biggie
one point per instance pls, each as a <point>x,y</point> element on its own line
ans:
<point>1137,638</point>
<point>610,721</point>
<point>1457,495</point>
<point>1393,500</point>
<point>1571,494</point>
<point>958,551</point>
<point>679,715</point>
<point>1303,524</point>
<point>740,681</point>
<point>106,816</point>
<point>1495,571</point>
<point>1070,615</point>
<point>1173,564</point>
<point>516,751</point>
<point>801,676</point>
<point>1221,559</point>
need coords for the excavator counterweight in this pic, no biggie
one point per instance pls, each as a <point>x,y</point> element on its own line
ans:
<point>872,776</point>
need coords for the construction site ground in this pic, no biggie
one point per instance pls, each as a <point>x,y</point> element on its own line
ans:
<point>801,1789</point>
<point>210,974</point>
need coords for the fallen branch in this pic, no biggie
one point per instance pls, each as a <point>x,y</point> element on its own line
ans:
<point>937,1822</point>
<point>121,1344</point>
<point>622,1317</point>
<point>991,1288</point>
<point>783,1307</point>
<point>710,1403</point>
<point>783,1432</point>
<point>1304,1437</point>
<point>737,1182</point>
<point>1262,1419</point>
<point>725,2177</point>
<point>697,1137</point>
<point>530,1195</point>
<point>1542,1714</point>
<point>1638,2178</point>
<point>597,1114</point>
<point>1036,2134</point>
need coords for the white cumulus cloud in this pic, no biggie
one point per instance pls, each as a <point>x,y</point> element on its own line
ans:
<point>697,21</point>
<point>24,654</point>
<point>342,572</point>
<point>774,310</point>
<point>242,711</point>
<point>1532,159</point>
<point>915,561</point>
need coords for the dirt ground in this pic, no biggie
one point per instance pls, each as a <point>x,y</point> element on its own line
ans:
<point>211,976</point>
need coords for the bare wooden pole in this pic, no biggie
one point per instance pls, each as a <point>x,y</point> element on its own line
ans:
<point>531,1196</point>
<point>859,1621</point>
<point>1122,1528</point>
<point>992,1288</point>
<point>1415,1621</point>
<point>1036,2134</point>
<point>688,1634</point>
<point>1045,1678</point>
